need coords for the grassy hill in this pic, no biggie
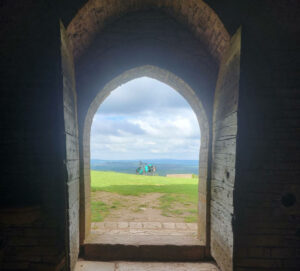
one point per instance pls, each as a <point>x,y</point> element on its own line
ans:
<point>131,184</point>
<point>175,191</point>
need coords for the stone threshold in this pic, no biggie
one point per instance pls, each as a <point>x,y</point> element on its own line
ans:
<point>144,266</point>
<point>144,233</point>
<point>144,241</point>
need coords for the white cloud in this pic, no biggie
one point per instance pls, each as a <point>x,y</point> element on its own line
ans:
<point>128,125</point>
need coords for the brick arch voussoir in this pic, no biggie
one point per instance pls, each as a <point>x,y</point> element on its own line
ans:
<point>201,19</point>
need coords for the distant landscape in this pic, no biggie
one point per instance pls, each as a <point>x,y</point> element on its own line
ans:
<point>163,166</point>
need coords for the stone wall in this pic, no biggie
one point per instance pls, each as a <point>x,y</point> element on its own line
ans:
<point>71,150</point>
<point>200,18</point>
<point>267,220</point>
<point>28,240</point>
<point>225,128</point>
<point>31,136</point>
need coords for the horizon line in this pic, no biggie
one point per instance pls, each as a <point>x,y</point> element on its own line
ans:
<point>144,159</point>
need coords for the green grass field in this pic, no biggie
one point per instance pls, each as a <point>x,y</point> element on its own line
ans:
<point>179,195</point>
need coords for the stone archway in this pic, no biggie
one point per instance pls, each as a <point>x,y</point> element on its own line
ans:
<point>189,94</point>
<point>99,49</point>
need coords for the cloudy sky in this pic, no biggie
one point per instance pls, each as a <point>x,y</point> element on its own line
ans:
<point>145,119</point>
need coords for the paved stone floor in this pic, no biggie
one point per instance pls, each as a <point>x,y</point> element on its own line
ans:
<point>144,233</point>
<point>180,228</point>
<point>143,266</point>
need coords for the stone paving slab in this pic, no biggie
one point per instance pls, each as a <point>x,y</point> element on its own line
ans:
<point>95,266</point>
<point>129,266</point>
<point>168,225</point>
<point>152,225</point>
<point>135,225</point>
<point>142,239</point>
<point>123,225</point>
<point>143,266</point>
<point>143,225</point>
<point>145,228</point>
<point>181,226</point>
<point>144,233</point>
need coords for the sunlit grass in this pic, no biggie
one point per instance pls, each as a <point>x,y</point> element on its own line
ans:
<point>179,206</point>
<point>99,211</point>
<point>179,195</point>
<point>130,184</point>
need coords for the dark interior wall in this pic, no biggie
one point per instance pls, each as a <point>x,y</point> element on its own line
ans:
<point>30,93</point>
<point>31,188</point>
<point>267,218</point>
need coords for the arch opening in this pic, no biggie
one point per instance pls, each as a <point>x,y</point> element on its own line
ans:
<point>200,53</point>
<point>145,142</point>
<point>191,97</point>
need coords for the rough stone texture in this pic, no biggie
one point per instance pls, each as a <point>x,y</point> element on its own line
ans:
<point>31,137</point>
<point>27,240</point>
<point>143,252</point>
<point>114,230</point>
<point>95,14</point>
<point>123,266</point>
<point>267,220</point>
<point>223,155</point>
<point>143,241</point>
<point>72,150</point>
<point>95,266</point>
<point>134,266</point>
